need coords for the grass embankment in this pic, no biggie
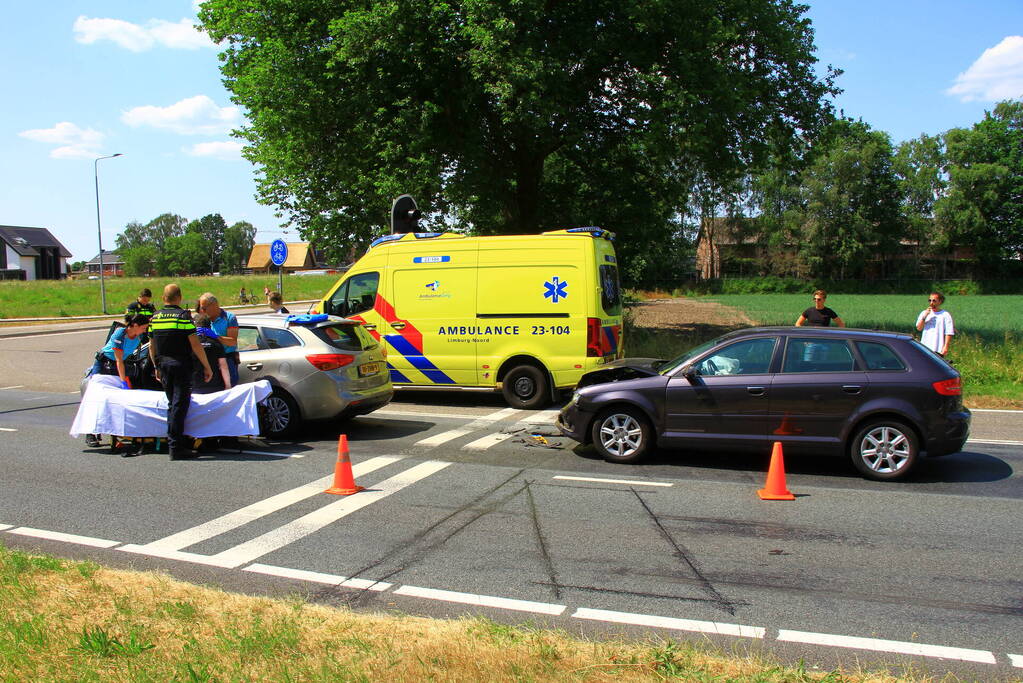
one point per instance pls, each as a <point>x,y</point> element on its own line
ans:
<point>58,298</point>
<point>987,348</point>
<point>75,621</point>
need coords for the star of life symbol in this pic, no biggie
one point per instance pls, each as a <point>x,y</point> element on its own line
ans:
<point>433,285</point>
<point>555,290</point>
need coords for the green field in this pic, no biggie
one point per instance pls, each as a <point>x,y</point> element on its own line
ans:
<point>57,298</point>
<point>987,348</point>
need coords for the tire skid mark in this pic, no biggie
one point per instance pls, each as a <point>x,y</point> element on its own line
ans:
<point>541,542</point>
<point>640,594</point>
<point>683,554</point>
<point>52,405</point>
<point>418,547</point>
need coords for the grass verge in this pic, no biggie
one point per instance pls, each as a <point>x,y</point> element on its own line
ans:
<point>62,620</point>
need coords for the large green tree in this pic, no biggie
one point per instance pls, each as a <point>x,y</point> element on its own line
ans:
<point>238,241</point>
<point>212,228</point>
<point>920,167</point>
<point>984,204</point>
<point>511,116</point>
<point>152,234</point>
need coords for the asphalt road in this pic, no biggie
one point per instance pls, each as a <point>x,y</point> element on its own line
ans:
<point>466,512</point>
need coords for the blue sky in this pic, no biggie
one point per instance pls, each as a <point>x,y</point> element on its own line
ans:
<point>84,79</point>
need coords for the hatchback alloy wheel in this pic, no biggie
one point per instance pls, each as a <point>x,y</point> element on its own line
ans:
<point>621,435</point>
<point>885,450</point>
<point>278,414</point>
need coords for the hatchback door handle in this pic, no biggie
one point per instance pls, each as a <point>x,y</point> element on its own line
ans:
<point>254,366</point>
<point>851,388</point>
<point>398,324</point>
<point>756,391</point>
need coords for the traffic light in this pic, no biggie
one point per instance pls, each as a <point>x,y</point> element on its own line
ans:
<point>404,215</point>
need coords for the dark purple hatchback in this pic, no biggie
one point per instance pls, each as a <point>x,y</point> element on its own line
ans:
<point>882,399</point>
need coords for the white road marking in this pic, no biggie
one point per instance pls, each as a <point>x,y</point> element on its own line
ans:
<point>275,455</point>
<point>179,555</point>
<point>15,386</point>
<point>993,410</point>
<point>7,429</point>
<point>244,515</point>
<point>481,600</point>
<point>670,622</point>
<point>995,442</point>
<point>896,646</point>
<point>317,577</point>
<point>1017,661</point>
<point>615,481</point>
<point>5,527</point>
<point>408,413</point>
<point>316,520</point>
<point>541,417</point>
<point>67,538</point>
<point>476,424</point>
<point>487,441</point>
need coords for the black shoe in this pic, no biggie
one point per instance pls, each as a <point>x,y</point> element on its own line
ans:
<point>92,440</point>
<point>183,454</point>
<point>132,449</point>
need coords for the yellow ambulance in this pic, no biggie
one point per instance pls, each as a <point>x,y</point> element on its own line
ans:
<point>528,314</point>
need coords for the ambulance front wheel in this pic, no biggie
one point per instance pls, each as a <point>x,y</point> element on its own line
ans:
<point>525,387</point>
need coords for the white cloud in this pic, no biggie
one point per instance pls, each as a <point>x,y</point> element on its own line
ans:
<point>197,115</point>
<point>996,75</point>
<point>228,150</point>
<point>180,35</point>
<point>74,142</point>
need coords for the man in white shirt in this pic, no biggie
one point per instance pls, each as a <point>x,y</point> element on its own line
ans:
<point>935,325</point>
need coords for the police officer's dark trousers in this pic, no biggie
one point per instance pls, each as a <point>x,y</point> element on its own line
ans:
<point>176,376</point>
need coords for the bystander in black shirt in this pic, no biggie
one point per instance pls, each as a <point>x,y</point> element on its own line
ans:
<point>214,352</point>
<point>819,317</point>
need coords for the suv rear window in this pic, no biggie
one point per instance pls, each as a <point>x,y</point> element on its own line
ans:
<point>345,337</point>
<point>610,290</point>
<point>879,356</point>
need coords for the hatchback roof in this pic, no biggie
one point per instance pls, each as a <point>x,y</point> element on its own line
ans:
<point>281,321</point>
<point>808,330</point>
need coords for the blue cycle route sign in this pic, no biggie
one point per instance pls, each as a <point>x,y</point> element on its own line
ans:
<point>278,252</point>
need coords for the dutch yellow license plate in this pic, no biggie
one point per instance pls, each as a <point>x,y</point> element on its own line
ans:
<point>367,369</point>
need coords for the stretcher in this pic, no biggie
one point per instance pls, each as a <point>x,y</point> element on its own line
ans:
<point>108,408</point>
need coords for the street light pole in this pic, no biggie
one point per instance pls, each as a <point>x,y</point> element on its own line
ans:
<point>99,231</point>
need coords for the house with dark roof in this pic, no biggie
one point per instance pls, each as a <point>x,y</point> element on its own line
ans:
<point>113,264</point>
<point>31,254</point>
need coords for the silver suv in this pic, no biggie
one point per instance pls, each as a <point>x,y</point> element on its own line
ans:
<point>330,368</point>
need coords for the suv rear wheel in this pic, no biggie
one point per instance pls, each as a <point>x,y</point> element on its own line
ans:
<point>884,450</point>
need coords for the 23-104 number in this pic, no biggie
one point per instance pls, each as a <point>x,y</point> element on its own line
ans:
<point>550,329</point>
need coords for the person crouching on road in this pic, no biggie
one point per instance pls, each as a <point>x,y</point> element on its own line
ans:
<point>172,348</point>
<point>226,326</point>
<point>935,325</point>
<point>215,357</point>
<point>110,359</point>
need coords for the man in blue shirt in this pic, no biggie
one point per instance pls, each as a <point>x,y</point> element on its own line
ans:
<point>225,324</point>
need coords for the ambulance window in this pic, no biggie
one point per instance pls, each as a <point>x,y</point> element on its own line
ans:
<point>610,293</point>
<point>355,295</point>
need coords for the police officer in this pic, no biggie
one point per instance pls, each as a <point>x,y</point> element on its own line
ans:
<point>141,306</point>
<point>173,345</point>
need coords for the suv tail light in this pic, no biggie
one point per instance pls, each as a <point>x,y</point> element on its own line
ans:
<point>949,387</point>
<point>329,361</point>
<point>593,332</point>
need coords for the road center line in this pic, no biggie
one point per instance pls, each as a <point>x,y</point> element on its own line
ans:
<point>481,600</point>
<point>243,516</point>
<point>878,645</point>
<point>630,482</point>
<point>15,386</point>
<point>7,429</point>
<point>317,577</point>
<point>994,442</point>
<point>316,520</point>
<point>670,622</point>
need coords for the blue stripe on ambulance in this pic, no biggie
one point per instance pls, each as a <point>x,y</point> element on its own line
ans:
<point>417,360</point>
<point>396,375</point>
<point>609,332</point>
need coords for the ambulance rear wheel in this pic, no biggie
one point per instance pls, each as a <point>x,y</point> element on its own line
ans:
<point>525,387</point>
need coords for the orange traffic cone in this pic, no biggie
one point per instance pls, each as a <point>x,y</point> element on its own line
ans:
<point>775,488</point>
<point>344,482</point>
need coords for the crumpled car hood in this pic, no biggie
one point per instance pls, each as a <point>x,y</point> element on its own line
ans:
<point>627,368</point>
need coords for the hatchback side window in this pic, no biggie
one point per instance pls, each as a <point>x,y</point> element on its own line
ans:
<point>749,357</point>
<point>279,339</point>
<point>818,355</point>
<point>248,339</point>
<point>879,356</point>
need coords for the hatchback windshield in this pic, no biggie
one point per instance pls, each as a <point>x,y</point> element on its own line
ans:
<point>345,337</point>
<point>675,364</point>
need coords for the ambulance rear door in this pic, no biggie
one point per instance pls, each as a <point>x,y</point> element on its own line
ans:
<point>429,327</point>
